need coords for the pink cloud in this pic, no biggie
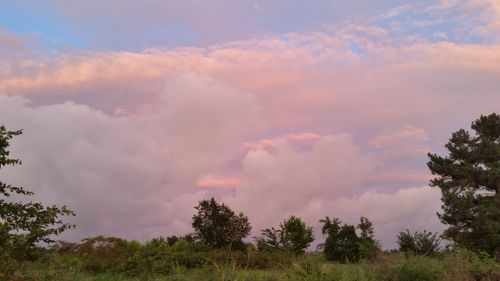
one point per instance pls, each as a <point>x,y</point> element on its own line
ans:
<point>219,183</point>
<point>407,134</point>
<point>305,137</point>
<point>264,144</point>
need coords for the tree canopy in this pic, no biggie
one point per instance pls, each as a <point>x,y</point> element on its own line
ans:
<point>420,243</point>
<point>343,243</point>
<point>218,226</point>
<point>469,179</point>
<point>293,235</point>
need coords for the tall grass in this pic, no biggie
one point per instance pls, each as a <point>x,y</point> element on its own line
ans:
<point>452,266</point>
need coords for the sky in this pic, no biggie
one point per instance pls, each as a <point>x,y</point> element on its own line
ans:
<point>133,111</point>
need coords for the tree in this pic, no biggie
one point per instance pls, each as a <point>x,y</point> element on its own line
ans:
<point>293,236</point>
<point>218,226</point>
<point>469,179</point>
<point>343,244</point>
<point>271,240</point>
<point>22,225</point>
<point>368,246</point>
<point>420,243</point>
<point>297,236</point>
<point>366,228</point>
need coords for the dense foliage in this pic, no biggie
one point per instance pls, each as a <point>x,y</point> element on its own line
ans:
<point>218,226</point>
<point>343,243</point>
<point>293,236</point>
<point>420,243</point>
<point>469,179</point>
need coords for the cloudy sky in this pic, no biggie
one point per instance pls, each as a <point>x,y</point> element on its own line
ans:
<point>133,111</point>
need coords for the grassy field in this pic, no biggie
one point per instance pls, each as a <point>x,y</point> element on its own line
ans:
<point>388,266</point>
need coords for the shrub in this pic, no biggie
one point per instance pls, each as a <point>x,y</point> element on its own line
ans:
<point>420,243</point>
<point>343,243</point>
<point>103,254</point>
<point>158,257</point>
<point>293,235</point>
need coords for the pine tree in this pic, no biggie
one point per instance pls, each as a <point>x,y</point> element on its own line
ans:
<point>469,179</point>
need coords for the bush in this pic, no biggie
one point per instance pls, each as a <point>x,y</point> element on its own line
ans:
<point>157,257</point>
<point>420,243</point>
<point>467,264</point>
<point>104,254</point>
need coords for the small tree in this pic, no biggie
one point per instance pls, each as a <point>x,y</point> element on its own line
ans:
<point>366,228</point>
<point>469,179</point>
<point>296,235</point>
<point>271,240</point>
<point>420,243</point>
<point>22,225</point>
<point>292,236</point>
<point>368,246</point>
<point>218,226</point>
<point>343,244</point>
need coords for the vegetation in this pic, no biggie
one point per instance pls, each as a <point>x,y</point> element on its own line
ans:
<point>218,226</point>
<point>420,243</point>
<point>292,236</point>
<point>343,244</point>
<point>460,265</point>
<point>469,179</point>
<point>23,225</point>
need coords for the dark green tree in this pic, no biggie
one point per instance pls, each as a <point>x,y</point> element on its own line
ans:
<point>369,247</point>
<point>293,236</point>
<point>297,236</point>
<point>23,225</point>
<point>218,226</point>
<point>344,245</point>
<point>271,240</point>
<point>420,243</point>
<point>469,179</point>
<point>365,226</point>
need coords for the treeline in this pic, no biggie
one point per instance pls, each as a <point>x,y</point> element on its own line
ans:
<point>217,248</point>
<point>218,238</point>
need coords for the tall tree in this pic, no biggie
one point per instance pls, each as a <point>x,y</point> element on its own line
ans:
<point>218,226</point>
<point>469,179</point>
<point>22,225</point>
